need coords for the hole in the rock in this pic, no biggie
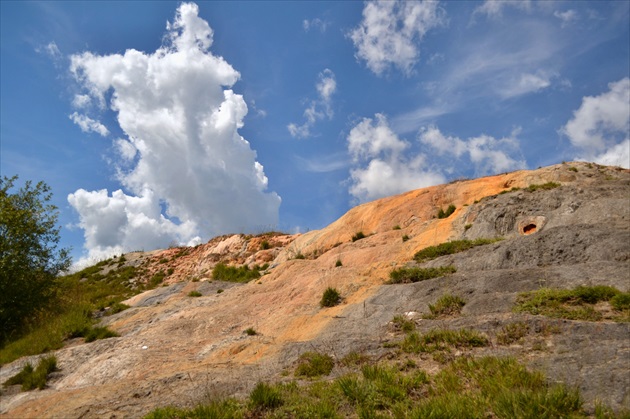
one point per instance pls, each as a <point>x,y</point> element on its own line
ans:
<point>529,229</point>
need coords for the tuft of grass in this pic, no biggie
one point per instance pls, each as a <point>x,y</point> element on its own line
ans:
<point>573,169</point>
<point>445,214</point>
<point>467,227</point>
<point>96,333</point>
<point>242,274</point>
<point>338,263</point>
<point>265,396</point>
<point>575,304</point>
<point>219,291</point>
<point>250,331</point>
<point>330,298</point>
<point>512,332</point>
<point>264,245</point>
<point>30,378</point>
<point>402,323</point>
<point>409,275</point>
<point>442,339</point>
<point>405,238</point>
<point>396,227</point>
<point>117,308</point>
<point>194,294</point>
<point>543,186</point>
<point>449,248</point>
<point>447,305</point>
<point>299,255</point>
<point>358,236</point>
<point>314,364</point>
<point>354,359</point>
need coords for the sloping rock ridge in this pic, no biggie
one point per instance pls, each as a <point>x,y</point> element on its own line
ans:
<point>177,350</point>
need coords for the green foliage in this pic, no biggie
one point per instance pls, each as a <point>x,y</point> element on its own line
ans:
<point>621,301</point>
<point>509,190</point>
<point>194,294</point>
<point>314,364</point>
<point>117,308</point>
<point>396,227</point>
<point>544,186</point>
<point>405,238</point>
<point>95,333</point>
<point>467,227</point>
<point>30,378</point>
<point>299,255</point>
<point>264,245</point>
<point>157,279</point>
<point>29,257</point>
<point>575,304</point>
<point>265,396</point>
<point>449,248</point>
<point>573,169</point>
<point>445,214</point>
<point>330,298</point>
<point>403,324</point>
<point>250,331</point>
<point>512,332</point>
<point>441,339</point>
<point>219,291</point>
<point>358,236</point>
<point>222,272</point>
<point>215,409</point>
<point>338,263</point>
<point>447,305</point>
<point>408,275</point>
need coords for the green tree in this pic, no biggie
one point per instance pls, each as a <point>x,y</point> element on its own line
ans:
<point>30,259</point>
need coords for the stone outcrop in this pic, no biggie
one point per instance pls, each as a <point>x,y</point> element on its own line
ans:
<point>174,349</point>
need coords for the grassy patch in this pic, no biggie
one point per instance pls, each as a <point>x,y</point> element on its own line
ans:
<point>222,272</point>
<point>30,378</point>
<point>330,298</point>
<point>442,339</point>
<point>194,294</point>
<point>512,332</point>
<point>576,304</point>
<point>409,275</point>
<point>96,333</point>
<point>447,305</point>
<point>314,364</point>
<point>250,331</point>
<point>446,213</point>
<point>403,324</point>
<point>543,186</point>
<point>405,238</point>
<point>338,263</point>
<point>465,388</point>
<point>449,248</point>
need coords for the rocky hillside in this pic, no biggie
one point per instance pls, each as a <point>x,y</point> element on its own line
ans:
<point>560,227</point>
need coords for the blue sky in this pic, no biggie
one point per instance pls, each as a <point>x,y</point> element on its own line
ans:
<point>158,123</point>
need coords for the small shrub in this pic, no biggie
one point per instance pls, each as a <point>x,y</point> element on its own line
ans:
<point>330,298</point>
<point>449,248</point>
<point>163,260</point>
<point>408,275</point>
<point>219,291</point>
<point>512,332</point>
<point>250,332</point>
<point>338,263</point>
<point>467,227</point>
<point>299,255</point>
<point>314,364</point>
<point>264,245</point>
<point>573,169</point>
<point>170,271</point>
<point>447,305</point>
<point>445,214</point>
<point>354,359</point>
<point>157,279</point>
<point>265,396</point>
<point>358,236</point>
<point>396,227</point>
<point>405,238</point>
<point>441,339</point>
<point>194,294</point>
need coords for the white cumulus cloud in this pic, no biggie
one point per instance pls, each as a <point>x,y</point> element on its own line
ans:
<point>390,32</point>
<point>494,8</point>
<point>380,166</point>
<point>319,108</point>
<point>186,169</point>
<point>88,124</point>
<point>600,128</point>
<point>487,154</point>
